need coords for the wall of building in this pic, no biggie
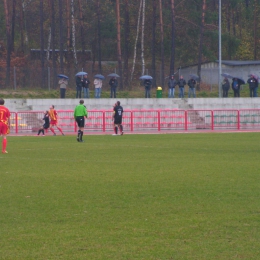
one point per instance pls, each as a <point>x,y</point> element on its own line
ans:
<point>137,103</point>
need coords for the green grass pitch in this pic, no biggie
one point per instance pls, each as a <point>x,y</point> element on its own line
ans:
<point>161,197</point>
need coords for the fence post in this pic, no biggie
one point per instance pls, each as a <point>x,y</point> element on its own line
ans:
<point>132,121</point>
<point>212,120</point>
<point>14,78</point>
<point>16,123</point>
<point>238,120</point>
<point>49,79</point>
<point>159,120</point>
<point>104,121</point>
<point>186,120</point>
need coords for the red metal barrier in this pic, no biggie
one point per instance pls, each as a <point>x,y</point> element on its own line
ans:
<point>140,120</point>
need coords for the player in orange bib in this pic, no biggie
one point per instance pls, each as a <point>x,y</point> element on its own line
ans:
<point>4,124</point>
<point>54,120</point>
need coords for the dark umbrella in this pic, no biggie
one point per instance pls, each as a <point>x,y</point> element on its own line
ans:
<point>241,81</point>
<point>146,77</point>
<point>81,73</point>
<point>114,75</point>
<point>62,76</point>
<point>254,75</point>
<point>194,76</point>
<point>226,75</point>
<point>99,76</point>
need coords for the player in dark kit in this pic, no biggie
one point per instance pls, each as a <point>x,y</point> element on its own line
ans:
<point>117,117</point>
<point>46,124</point>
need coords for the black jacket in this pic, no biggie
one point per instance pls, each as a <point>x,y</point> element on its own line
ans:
<point>113,83</point>
<point>192,83</point>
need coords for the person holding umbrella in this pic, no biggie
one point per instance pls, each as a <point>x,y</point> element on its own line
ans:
<point>113,85</point>
<point>253,85</point>
<point>98,85</point>
<point>236,83</point>
<point>85,85</point>
<point>181,83</point>
<point>225,87</point>
<point>192,87</point>
<point>79,84</point>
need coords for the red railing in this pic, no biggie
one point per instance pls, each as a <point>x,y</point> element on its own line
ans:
<point>144,120</point>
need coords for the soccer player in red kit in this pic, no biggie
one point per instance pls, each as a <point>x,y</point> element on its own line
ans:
<point>54,120</point>
<point>4,124</point>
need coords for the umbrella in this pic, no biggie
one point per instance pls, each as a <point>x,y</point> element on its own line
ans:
<point>99,76</point>
<point>254,75</point>
<point>81,73</point>
<point>241,81</point>
<point>194,76</point>
<point>146,77</point>
<point>226,75</point>
<point>62,76</point>
<point>114,75</point>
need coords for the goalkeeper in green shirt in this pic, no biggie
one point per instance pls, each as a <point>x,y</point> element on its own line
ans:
<point>80,112</point>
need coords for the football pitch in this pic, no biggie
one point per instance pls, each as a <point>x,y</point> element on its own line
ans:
<point>159,197</point>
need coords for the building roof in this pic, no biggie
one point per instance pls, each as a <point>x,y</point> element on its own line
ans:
<point>239,62</point>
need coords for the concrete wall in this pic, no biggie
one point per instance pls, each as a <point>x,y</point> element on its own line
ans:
<point>135,103</point>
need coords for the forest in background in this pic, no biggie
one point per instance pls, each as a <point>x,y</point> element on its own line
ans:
<point>131,37</point>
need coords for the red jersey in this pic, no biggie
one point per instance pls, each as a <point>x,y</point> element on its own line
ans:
<point>4,114</point>
<point>53,114</point>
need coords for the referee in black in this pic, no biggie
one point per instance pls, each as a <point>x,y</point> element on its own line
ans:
<point>117,117</point>
<point>80,112</point>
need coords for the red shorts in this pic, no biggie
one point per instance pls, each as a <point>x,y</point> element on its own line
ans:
<point>53,122</point>
<point>3,129</point>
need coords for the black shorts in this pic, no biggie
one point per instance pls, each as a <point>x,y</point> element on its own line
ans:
<point>118,121</point>
<point>80,121</point>
<point>46,126</point>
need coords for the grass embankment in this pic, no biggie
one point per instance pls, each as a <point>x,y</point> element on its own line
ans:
<point>178,196</point>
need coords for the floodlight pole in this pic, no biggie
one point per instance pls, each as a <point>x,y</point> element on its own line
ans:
<point>219,49</point>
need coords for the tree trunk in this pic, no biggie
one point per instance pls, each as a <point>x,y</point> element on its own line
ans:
<point>119,52</point>
<point>172,38</point>
<point>99,36</point>
<point>201,41</point>
<point>142,38</point>
<point>126,43</point>
<point>8,37</point>
<point>74,36</point>
<point>21,25</point>
<point>13,26</point>
<point>68,25</point>
<point>82,34</point>
<point>154,44</point>
<point>255,30</point>
<point>54,68</point>
<point>162,43</point>
<point>136,38</point>
<point>61,36</point>
<point>42,44</point>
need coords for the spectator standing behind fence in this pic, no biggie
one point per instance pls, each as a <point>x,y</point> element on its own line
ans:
<point>113,84</point>
<point>79,81</point>
<point>236,87</point>
<point>85,85</point>
<point>171,84</point>
<point>98,86</point>
<point>225,87</point>
<point>181,83</point>
<point>192,87</point>
<point>63,85</point>
<point>147,86</point>
<point>253,85</point>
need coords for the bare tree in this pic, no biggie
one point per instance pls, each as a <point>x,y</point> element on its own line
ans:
<point>172,38</point>
<point>154,43</point>
<point>82,33</point>
<point>73,35</point>
<point>162,42</point>
<point>142,38</point>
<point>202,25</point>
<point>42,43</point>
<point>98,36</point>
<point>119,52</point>
<point>54,67</point>
<point>126,41</point>
<point>61,36</point>
<point>68,24</point>
<point>13,25</point>
<point>136,38</point>
<point>8,36</point>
